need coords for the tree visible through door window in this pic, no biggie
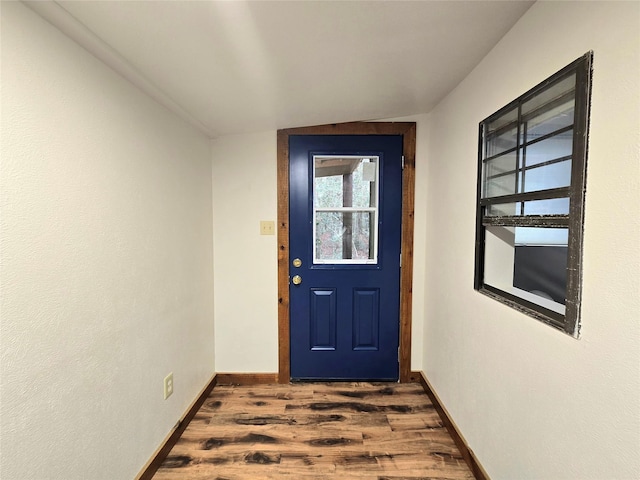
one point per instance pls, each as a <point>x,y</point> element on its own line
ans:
<point>530,209</point>
<point>345,208</point>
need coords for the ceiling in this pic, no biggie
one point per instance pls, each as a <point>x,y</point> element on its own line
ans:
<point>231,67</point>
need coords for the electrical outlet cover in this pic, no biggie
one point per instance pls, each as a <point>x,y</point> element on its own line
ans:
<point>168,385</point>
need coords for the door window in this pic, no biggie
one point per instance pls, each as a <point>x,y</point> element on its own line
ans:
<point>345,209</point>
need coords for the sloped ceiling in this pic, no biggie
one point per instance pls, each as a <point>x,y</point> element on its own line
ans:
<point>232,67</point>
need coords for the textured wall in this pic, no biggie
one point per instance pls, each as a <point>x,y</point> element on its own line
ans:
<point>420,229</point>
<point>106,262</point>
<point>246,273</point>
<point>533,402</point>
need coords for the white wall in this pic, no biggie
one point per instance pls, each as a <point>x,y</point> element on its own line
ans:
<point>106,262</point>
<point>420,254</point>
<point>246,273</point>
<point>531,401</point>
<point>246,295</point>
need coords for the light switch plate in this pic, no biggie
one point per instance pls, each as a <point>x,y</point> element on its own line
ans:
<point>267,227</point>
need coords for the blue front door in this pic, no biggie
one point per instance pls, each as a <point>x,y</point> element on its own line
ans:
<point>345,204</point>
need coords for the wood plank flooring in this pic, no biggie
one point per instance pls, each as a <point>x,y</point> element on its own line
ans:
<point>316,430</point>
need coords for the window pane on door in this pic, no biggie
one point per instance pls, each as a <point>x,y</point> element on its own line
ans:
<point>345,182</point>
<point>345,237</point>
<point>345,208</point>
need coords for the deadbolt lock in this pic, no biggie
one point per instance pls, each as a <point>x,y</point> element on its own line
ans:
<point>297,262</point>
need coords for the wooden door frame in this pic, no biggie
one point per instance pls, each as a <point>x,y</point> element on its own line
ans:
<point>408,132</point>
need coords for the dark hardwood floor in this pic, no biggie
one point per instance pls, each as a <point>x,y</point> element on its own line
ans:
<point>316,430</point>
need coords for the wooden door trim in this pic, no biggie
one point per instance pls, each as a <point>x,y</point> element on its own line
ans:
<point>408,132</point>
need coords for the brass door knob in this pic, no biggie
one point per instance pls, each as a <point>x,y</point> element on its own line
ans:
<point>297,280</point>
<point>297,262</point>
